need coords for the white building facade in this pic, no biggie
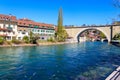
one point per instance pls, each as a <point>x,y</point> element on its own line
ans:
<point>11,27</point>
<point>8,26</point>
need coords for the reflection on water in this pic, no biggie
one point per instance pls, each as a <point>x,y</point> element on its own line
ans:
<point>83,61</point>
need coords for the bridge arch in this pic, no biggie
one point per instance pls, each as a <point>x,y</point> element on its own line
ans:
<point>98,29</point>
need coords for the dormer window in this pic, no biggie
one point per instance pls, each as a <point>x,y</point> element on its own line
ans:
<point>36,26</point>
<point>30,25</point>
<point>43,26</point>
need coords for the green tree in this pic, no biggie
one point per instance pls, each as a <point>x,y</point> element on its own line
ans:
<point>102,35</point>
<point>33,38</point>
<point>1,40</point>
<point>26,39</point>
<point>15,41</point>
<point>117,36</point>
<point>61,33</point>
<point>51,39</point>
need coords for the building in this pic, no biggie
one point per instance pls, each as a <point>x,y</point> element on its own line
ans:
<point>8,26</point>
<point>11,27</point>
<point>116,23</point>
<point>45,31</point>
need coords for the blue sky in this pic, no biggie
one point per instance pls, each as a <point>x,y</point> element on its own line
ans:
<point>75,12</point>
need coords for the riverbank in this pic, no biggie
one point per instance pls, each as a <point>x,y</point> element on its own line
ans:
<point>17,45</point>
<point>39,44</point>
<point>54,43</point>
<point>116,44</point>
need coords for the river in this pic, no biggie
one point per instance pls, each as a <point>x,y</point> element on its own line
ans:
<point>78,61</point>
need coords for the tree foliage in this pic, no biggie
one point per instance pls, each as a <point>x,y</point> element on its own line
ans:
<point>51,39</point>
<point>33,38</point>
<point>15,41</point>
<point>1,40</point>
<point>61,33</point>
<point>117,37</point>
<point>26,39</point>
<point>102,35</point>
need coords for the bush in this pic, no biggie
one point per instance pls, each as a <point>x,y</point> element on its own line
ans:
<point>117,37</point>
<point>1,40</point>
<point>51,39</point>
<point>26,39</point>
<point>7,42</point>
<point>15,41</point>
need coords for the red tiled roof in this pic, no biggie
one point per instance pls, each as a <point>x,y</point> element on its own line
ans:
<point>7,17</point>
<point>27,23</point>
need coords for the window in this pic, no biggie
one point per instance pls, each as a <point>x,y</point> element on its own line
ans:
<point>42,37</point>
<point>8,38</point>
<point>42,30</point>
<point>30,25</point>
<point>23,32</point>
<point>36,26</point>
<point>19,38</point>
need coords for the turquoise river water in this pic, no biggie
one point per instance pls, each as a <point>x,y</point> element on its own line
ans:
<point>79,61</point>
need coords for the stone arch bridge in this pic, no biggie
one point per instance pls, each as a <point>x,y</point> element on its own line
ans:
<point>109,31</point>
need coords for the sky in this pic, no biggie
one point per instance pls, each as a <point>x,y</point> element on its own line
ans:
<point>75,12</point>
